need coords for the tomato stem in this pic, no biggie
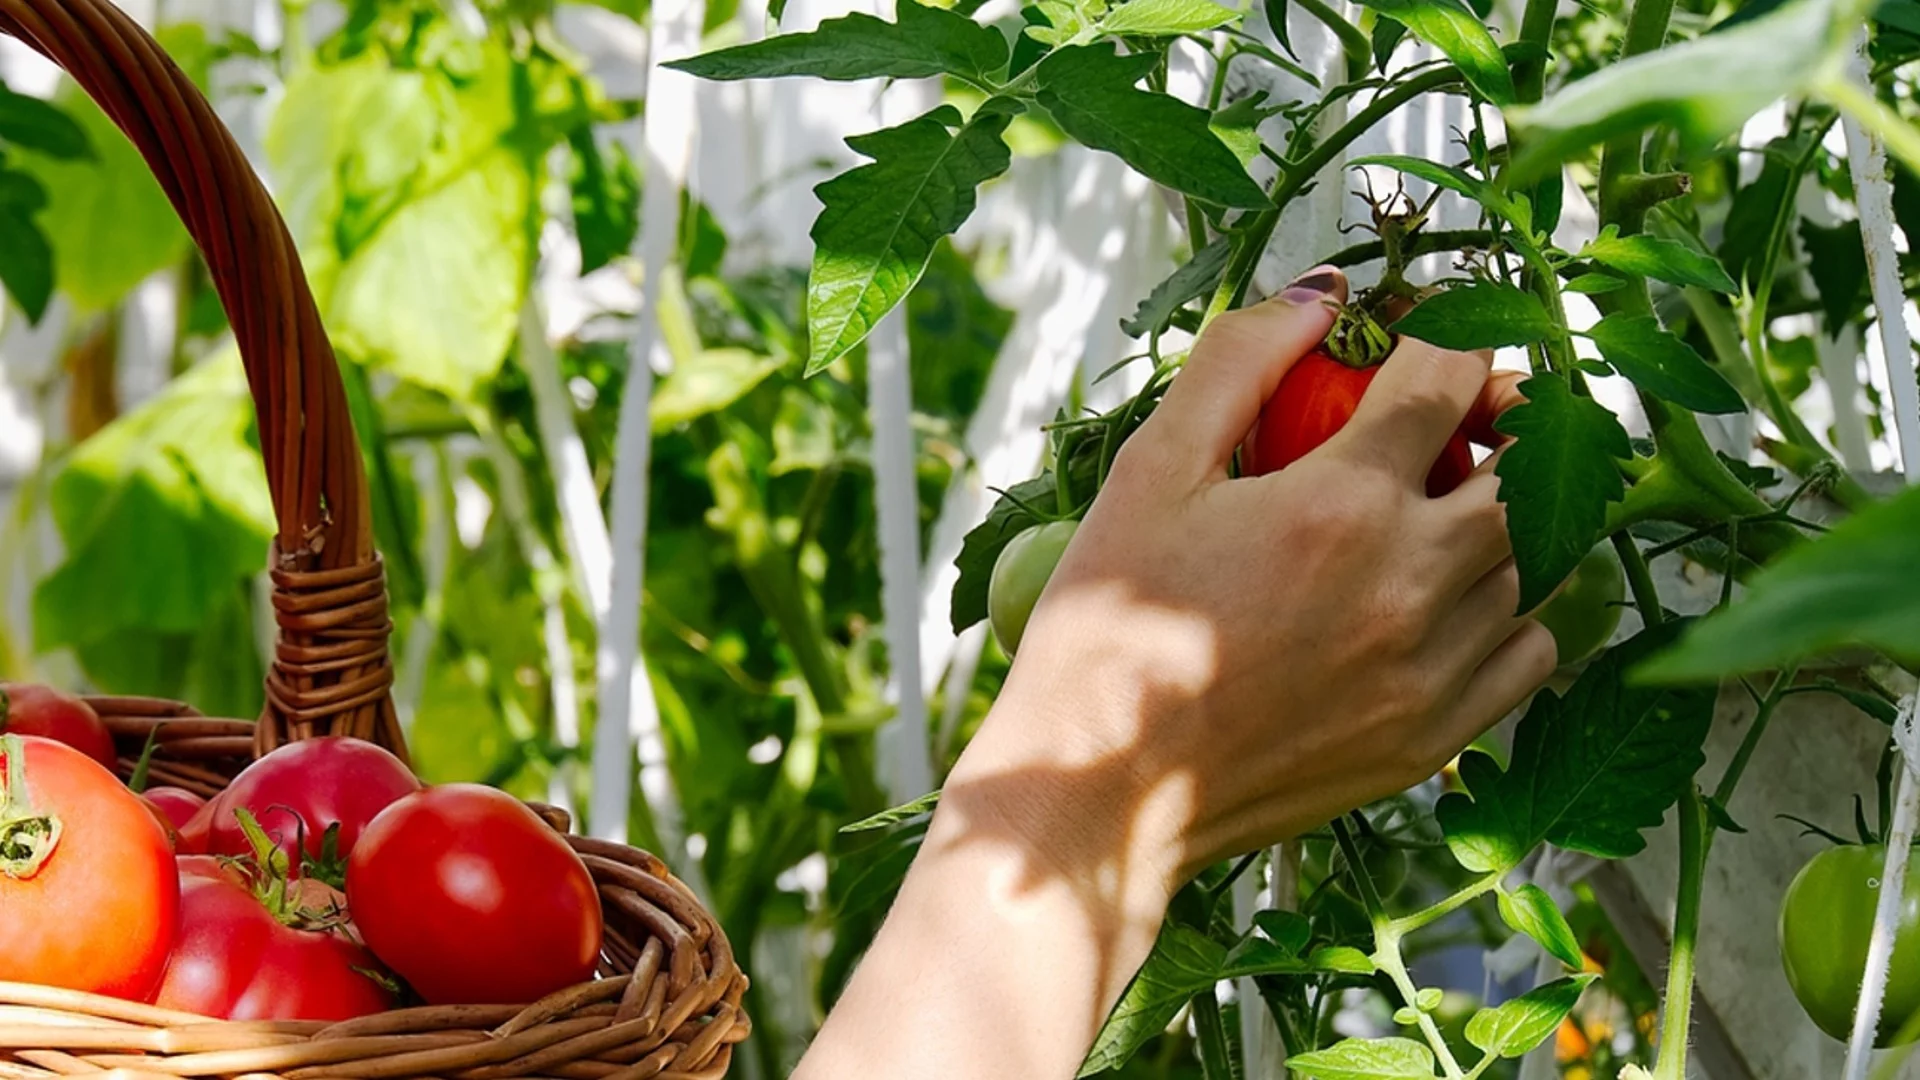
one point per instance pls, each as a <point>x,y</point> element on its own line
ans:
<point>1646,595</point>
<point>27,839</point>
<point>1695,838</point>
<point>1216,1056</point>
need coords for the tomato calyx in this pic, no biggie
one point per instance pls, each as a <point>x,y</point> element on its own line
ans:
<point>294,901</point>
<point>1357,338</point>
<point>27,838</point>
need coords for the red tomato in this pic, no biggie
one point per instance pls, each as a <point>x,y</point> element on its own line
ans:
<point>177,805</point>
<point>88,891</point>
<point>1315,399</point>
<point>473,899</point>
<point>29,709</point>
<point>304,787</point>
<point>233,959</point>
<point>191,836</point>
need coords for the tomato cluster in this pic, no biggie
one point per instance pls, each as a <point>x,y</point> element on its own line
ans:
<point>326,882</point>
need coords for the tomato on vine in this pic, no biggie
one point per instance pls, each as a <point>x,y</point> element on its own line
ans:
<point>1826,920</point>
<point>1020,573</point>
<point>1586,612</point>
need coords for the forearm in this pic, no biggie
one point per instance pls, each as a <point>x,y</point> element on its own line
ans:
<point>1017,929</point>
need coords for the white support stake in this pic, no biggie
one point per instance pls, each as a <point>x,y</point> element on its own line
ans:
<point>1867,159</point>
<point>629,717</point>
<point>907,766</point>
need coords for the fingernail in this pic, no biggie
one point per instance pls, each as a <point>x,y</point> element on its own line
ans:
<point>1311,285</point>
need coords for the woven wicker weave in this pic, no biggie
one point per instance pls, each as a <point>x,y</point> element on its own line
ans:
<point>667,1000</point>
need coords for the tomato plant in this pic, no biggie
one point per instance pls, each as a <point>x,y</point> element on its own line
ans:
<point>1586,611</point>
<point>1019,575</point>
<point>253,946</point>
<point>473,899</point>
<point>301,791</point>
<point>29,709</point>
<point>82,862</point>
<point>1825,921</point>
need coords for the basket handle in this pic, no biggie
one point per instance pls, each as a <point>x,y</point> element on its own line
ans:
<point>330,673</point>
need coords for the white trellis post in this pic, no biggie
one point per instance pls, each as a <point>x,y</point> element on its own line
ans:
<point>629,719</point>
<point>1867,160</point>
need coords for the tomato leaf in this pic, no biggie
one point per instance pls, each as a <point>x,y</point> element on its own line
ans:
<point>1837,264</point>
<point>1853,586</point>
<point>887,818</point>
<point>1455,30</point>
<point>1589,770</point>
<point>1530,911</point>
<point>1595,284</point>
<point>1184,962</point>
<point>1660,363</point>
<point>1458,181</point>
<point>881,220</point>
<point>1366,1059</point>
<point>606,199</point>
<point>1514,1027</point>
<point>1705,88</point>
<point>1258,956</point>
<point>1663,260</point>
<point>1556,480</point>
<point>926,41</point>
<point>1341,959</point>
<point>33,124</point>
<point>1483,315</point>
<point>1195,278</point>
<point>713,380</point>
<point>982,545</point>
<point>26,259</point>
<point>1166,18</point>
<point>1090,91</point>
<point>1290,930</point>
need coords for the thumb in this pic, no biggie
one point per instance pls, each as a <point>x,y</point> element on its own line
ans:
<point>1235,367</point>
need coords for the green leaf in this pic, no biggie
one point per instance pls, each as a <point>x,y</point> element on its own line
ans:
<point>1366,1059</point>
<point>881,220</point>
<point>1530,911</point>
<point>1290,930</point>
<point>1276,13</point>
<point>164,514</point>
<point>1090,92</point>
<point>108,222</point>
<point>33,124</point>
<point>1483,315</point>
<point>1595,284</point>
<point>412,196</point>
<point>1238,125</point>
<point>1705,88</point>
<point>1258,956</point>
<point>927,41</point>
<point>1166,18</point>
<point>1556,480</point>
<point>1837,263</point>
<point>1341,959</point>
<point>717,379</point>
<point>26,261</point>
<point>606,199</point>
<point>1386,37</point>
<point>1663,260</point>
<point>1455,180</point>
<point>1194,279</point>
<point>1514,1027</point>
<point>1853,586</point>
<point>1183,963</point>
<point>1589,770</point>
<point>1662,364</point>
<point>888,818</point>
<point>1455,30</point>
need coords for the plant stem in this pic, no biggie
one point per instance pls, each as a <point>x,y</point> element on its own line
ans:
<point>1646,31</point>
<point>1389,961</point>
<point>1370,896</point>
<point>1297,174</point>
<point>1420,243</point>
<point>1695,839</point>
<point>1353,40</point>
<point>1536,28</point>
<point>1216,1057</point>
<point>1474,890</point>
<point>1776,693</point>
<point>1646,595</point>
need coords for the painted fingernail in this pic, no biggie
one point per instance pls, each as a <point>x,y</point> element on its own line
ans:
<point>1311,285</point>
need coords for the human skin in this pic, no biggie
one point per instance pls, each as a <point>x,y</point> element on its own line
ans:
<point>1217,664</point>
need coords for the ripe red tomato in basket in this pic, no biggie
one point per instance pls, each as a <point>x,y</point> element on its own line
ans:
<point>303,788</point>
<point>88,891</point>
<point>237,958</point>
<point>471,898</point>
<point>177,805</point>
<point>1316,398</point>
<point>30,709</point>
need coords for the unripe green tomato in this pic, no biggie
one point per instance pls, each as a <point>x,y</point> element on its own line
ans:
<point>1586,613</point>
<point>1826,920</point>
<point>1019,574</point>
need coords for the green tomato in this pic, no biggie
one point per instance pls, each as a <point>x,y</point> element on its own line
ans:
<point>1019,574</point>
<point>1585,613</point>
<point>1825,922</point>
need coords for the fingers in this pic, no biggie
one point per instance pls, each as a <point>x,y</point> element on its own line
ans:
<point>1500,393</point>
<point>1413,406</point>
<point>1235,367</point>
<point>1484,616</point>
<point>1515,668</point>
<point>1475,524</point>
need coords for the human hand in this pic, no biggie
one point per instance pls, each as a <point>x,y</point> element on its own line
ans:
<point>1219,663</point>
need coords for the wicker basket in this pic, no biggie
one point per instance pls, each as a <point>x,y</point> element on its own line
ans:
<point>667,1000</point>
